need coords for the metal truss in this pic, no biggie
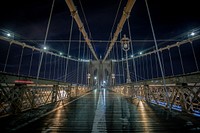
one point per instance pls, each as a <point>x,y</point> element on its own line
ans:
<point>183,97</point>
<point>15,98</point>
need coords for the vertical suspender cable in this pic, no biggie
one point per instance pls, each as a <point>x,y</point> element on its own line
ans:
<point>45,63</point>
<point>123,67</point>
<point>171,64</point>
<point>8,53</point>
<point>151,66</point>
<point>79,47</point>
<point>140,67</point>
<point>58,68</point>
<point>86,66</point>
<point>47,31</point>
<point>194,56</point>
<point>83,64</point>
<point>68,50</point>
<point>160,64</point>
<point>54,70</point>
<point>50,67</point>
<point>121,51</point>
<point>61,68</point>
<point>156,63</point>
<point>179,51</point>
<point>143,74</point>
<point>147,66</point>
<point>31,61</point>
<point>163,64</point>
<point>118,63</point>
<point>20,62</point>
<point>134,66</point>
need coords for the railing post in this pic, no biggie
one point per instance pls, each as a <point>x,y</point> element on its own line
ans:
<point>54,93</point>
<point>183,101</point>
<point>16,94</point>
<point>146,94</point>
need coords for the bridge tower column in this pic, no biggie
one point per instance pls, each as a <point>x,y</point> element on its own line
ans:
<point>101,73</point>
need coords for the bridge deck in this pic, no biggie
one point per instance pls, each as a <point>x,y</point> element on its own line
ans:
<point>105,111</point>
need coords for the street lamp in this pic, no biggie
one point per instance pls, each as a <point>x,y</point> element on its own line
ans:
<point>88,77</point>
<point>113,79</point>
<point>125,46</point>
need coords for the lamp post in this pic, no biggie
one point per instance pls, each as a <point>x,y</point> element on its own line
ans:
<point>113,79</point>
<point>125,46</point>
<point>88,77</point>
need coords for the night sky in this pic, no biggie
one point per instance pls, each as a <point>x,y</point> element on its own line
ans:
<point>28,20</point>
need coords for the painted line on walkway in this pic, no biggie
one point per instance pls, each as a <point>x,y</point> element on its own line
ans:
<point>99,123</point>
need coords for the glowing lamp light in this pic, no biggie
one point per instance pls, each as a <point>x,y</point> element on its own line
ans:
<point>140,53</point>
<point>95,77</point>
<point>45,48</point>
<point>60,53</point>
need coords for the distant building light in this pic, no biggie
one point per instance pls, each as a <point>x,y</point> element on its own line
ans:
<point>140,53</point>
<point>45,48</point>
<point>131,56</point>
<point>95,77</point>
<point>60,53</point>
<point>104,81</point>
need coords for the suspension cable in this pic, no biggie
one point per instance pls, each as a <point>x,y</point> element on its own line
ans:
<point>54,67</point>
<point>151,66</point>
<point>194,56</point>
<point>156,63</point>
<point>79,47</point>
<point>171,63</point>
<point>20,62</point>
<point>180,55</point>
<point>61,67</point>
<point>163,64</point>
<point>50,67</point>
<point>114,23</point>
<point>85,19</point>
<point>143,68</point>
<point>68,50</point>
<point>118,63</point>
<point>83,64</point>
<point>130,36</point>
<point>58,68</point>
<point>46,35</point>
<point>147,67</point>
<point>45,63</point>
<point>8,53</point>
<point>123,67</point>
<point>160,64</point>
<point>31,61</point>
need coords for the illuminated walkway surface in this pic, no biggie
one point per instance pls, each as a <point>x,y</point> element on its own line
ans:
<point>104,111</point>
